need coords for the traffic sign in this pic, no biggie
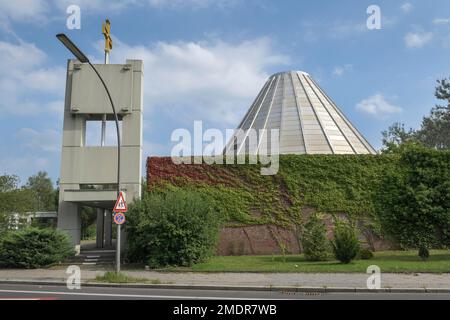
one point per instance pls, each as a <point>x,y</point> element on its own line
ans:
<point>121,205</point>
<point>119,218</point>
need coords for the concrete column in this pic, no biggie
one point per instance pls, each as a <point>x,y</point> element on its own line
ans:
<point>108,228</point>
<point>100,228</point>
<point>69,221</point>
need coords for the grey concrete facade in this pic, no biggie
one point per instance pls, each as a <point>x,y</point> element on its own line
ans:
<point>89,173</point>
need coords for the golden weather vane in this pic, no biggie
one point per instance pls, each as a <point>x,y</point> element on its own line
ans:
<point>106,30</point>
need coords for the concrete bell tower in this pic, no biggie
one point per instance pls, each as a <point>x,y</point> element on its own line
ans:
<point>89,173</point>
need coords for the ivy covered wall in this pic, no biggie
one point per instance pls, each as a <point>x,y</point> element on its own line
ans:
<point>329,183</point>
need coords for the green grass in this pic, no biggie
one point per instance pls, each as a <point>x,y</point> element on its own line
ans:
<point>388,261</point>
<point>114,277</point>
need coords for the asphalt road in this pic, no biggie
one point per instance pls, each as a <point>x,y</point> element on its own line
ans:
<point>16,291</point>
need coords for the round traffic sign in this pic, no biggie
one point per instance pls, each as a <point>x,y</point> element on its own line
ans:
<point>119,218</point>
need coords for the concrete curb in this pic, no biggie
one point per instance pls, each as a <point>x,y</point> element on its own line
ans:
<point>231,288</point>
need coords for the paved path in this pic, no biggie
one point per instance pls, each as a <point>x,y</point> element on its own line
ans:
<point>329,280</point>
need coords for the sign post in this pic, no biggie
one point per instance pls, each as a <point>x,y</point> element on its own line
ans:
<point>119,218</point>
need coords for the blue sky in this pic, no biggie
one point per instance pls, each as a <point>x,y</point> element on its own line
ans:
<point>207,60</point>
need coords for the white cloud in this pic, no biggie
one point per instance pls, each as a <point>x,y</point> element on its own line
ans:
<point>343,29</point>
<point>46,140</point>
<point>22,56</point>
<point>338,71</point>
<point>42,11</point>
<point>196,4</point>
<point>23,10</point>
<point>377,106</point>
<point>55,107</point>
<point>89,6</point>
<point>39,12</point>
<point>441,21</point>
<point>313,31</point>
<point>212,80</point>
<point>406,7</point>
<point>154,149</point>
<point>341,70</point>
<point>25,165</point>
<point>44,79</point>
<point>310,36</point>
<point>418,39</point>
<point>24,80</point>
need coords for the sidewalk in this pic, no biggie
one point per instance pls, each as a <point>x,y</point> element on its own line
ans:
<point>348,281</point>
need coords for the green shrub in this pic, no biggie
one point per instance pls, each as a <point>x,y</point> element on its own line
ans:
<point>365,254</point>
<point>314,239</point>
<point>89,233</point>
<point>173,228</point>
<point>345,243</point>
<point>34,248</point>
<point>424,253</point>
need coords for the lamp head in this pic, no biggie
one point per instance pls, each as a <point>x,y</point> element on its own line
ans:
<point>72,48</point>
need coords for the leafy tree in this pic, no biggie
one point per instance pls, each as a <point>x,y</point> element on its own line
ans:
<point>435,128</point>
<point>9,182</point>
<point>13,204</point>
<point>413,201</point>
<point>88,218</point>
<point>56,196</point>
<point>395,136</point>
<point>314,239</point>
<point>144,187</point>
<point>42,186</point>
<point>435,131</point>
<point>172,228</point>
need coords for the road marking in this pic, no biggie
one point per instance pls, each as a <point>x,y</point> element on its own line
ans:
<point>26,299</point>
<point>130,295</point>
<point>21,299</point>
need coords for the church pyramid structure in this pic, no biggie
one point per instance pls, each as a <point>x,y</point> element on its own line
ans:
<point>308,120</point>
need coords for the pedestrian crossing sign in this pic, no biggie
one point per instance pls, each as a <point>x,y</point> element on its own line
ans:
<point>121,205</point>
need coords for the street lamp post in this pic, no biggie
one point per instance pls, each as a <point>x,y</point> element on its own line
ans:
<point>83,59</point>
